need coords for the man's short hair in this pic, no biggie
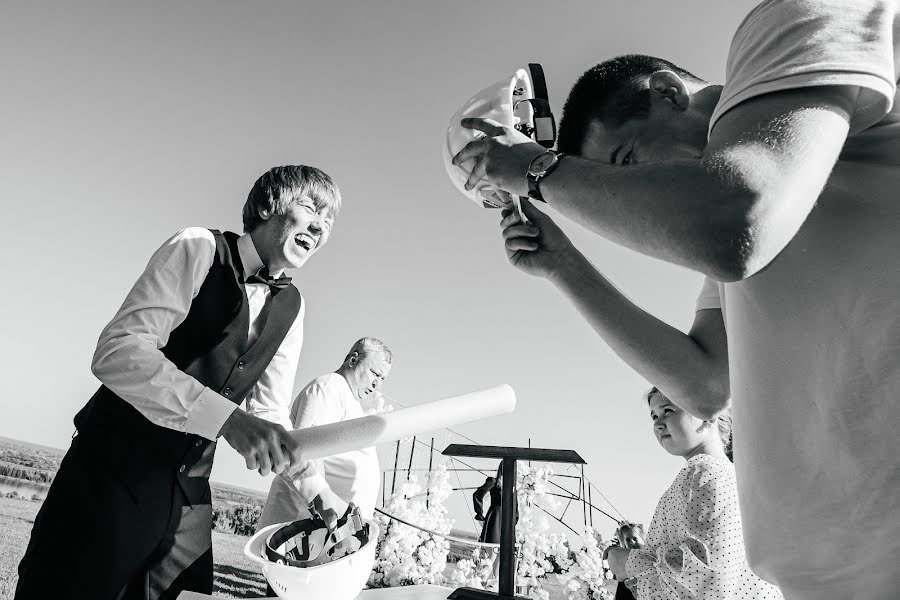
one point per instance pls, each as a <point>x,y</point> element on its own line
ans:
<point>278,187</point>
<point>367,345</point>
<point>612,92</point>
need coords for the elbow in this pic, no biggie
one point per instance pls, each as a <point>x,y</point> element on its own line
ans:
<point>740,240</point>
<point>737,262</point>
<point>711,408</point>
<point>97,364</point>
<point>708,397</point>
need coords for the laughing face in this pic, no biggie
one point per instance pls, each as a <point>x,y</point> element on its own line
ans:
<point>290,239</point>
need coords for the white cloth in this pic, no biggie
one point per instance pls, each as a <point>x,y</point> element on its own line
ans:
<point>128,359</point>
<point>814,339</point>
<point>353,476</point>
<point>694,548</point>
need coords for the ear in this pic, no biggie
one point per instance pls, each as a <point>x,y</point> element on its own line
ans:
<point>354,359</point>
<point>264,214</point>
<point>666,86</point>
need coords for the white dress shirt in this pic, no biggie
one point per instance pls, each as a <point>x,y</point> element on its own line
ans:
<point>128,359</point>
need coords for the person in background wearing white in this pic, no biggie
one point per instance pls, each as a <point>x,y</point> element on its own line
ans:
<point>781,187</point>
<point>205,345</point>
<point>694,547</point>
<point>330,483</point>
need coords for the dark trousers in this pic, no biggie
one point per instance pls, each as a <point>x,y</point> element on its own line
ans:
<point>623,593</point>
<point>98,537</point>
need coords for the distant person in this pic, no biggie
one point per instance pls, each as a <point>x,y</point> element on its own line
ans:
<point>694,546</point>
<point>329,484</point>
<point>631,536</point>
<point>205,345</point>
<point>781,187</point>
<point>492,522</point>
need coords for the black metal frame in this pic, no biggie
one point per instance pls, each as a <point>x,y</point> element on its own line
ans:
<point>508,455</point>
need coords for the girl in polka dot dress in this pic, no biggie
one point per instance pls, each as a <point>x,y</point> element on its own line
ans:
<point>694,548</point>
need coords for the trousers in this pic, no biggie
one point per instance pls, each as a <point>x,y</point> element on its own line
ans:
<point>100,536</point>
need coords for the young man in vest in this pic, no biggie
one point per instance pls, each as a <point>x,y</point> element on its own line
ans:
<point>781,187</point>
<point>205,345</point>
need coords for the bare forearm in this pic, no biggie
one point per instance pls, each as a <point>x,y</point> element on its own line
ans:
<point>692,376</point>
<point>679,211</point>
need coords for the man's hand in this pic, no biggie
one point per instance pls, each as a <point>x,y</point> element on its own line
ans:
<point>617,557</point>
<point>538,248</point>
<point>329,507</point>
<point>265,446</point>
<point>502,157</point>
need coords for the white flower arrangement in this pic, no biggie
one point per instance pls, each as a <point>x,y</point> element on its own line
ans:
<point>410,556</point>
<point>540,550</point>
<point>588,574</point>
<point>474,573</point>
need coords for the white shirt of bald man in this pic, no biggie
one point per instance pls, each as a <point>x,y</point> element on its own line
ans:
<point>353,476</point>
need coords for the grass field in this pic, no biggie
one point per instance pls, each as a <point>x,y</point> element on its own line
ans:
<point>235,575</point>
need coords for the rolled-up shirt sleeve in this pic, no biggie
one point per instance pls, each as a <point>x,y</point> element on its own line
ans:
<point>270,398</point>
<point>707,563</point>
<point>128,358</point>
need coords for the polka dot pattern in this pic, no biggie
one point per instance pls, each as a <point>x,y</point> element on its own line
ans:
<point>695,547</point>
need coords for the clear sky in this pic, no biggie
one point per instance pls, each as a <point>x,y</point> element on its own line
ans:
<point>121,123</point>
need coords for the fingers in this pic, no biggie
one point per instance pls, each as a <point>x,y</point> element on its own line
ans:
<point>516,244</point>
<point>477,174</point>
<point>473,149</point>
<point>519,231</point>
<point>250,459</point>
<point>486,126</point>
<point>279,460</point>
<point>510,218</point>
<point>265,463</point>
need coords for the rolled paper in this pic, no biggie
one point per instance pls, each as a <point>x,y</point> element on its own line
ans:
<point>386,427</point>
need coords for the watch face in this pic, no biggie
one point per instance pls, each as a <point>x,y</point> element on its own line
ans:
<point>541,163</point>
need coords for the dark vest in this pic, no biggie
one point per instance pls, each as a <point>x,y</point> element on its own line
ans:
<point>211,346</point>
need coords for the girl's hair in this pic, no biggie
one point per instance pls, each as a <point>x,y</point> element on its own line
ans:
<point>723,420</point>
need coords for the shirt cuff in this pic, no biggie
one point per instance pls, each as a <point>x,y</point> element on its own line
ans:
<point>208,415</point>
<point>311,486</point>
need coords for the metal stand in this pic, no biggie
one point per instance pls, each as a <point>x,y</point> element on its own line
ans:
<point>508,456</point>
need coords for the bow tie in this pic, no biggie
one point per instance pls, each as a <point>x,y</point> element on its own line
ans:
<point>262,276</point>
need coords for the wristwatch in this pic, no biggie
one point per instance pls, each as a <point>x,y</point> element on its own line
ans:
<point>541,166</point>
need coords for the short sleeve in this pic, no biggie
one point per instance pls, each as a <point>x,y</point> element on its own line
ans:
<point>709,296</point>
<point>790,44</point>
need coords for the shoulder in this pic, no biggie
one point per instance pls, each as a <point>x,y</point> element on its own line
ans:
<point>191,241</point>
<point>321,388</point>
<point>188,249</point>
<point>707,472</point>
<point>785,45</point>
<point>194,235</point>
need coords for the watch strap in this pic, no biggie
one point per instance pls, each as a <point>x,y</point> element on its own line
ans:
<point>534,190</point>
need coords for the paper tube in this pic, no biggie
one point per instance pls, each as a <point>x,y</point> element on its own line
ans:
<point>371,430</point>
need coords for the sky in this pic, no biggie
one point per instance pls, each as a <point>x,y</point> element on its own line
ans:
<point>123,123</point>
